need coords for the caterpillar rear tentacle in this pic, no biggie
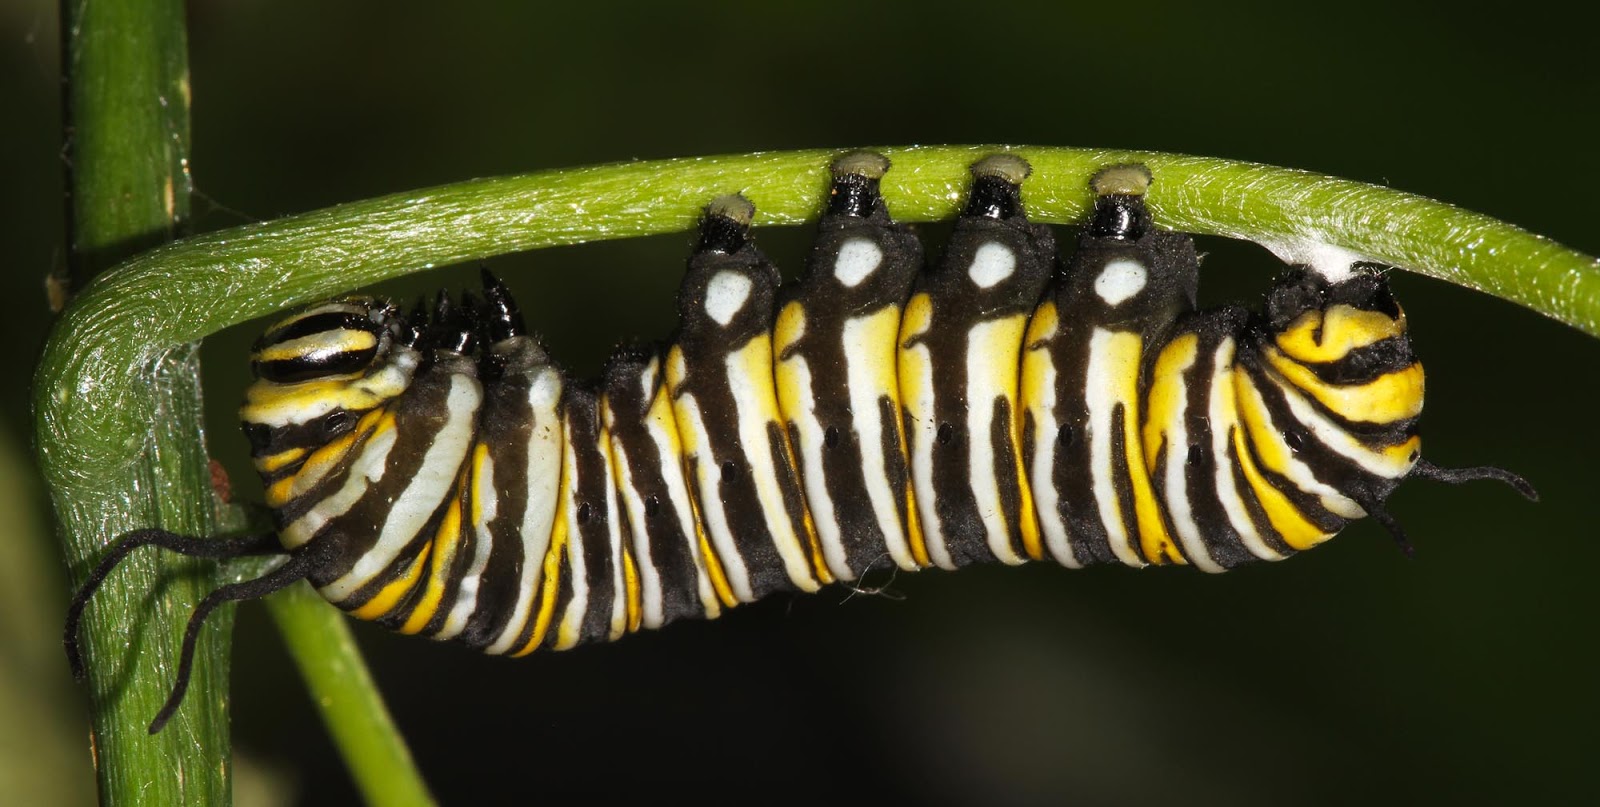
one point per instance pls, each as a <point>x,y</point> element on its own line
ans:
<point>437,473</point>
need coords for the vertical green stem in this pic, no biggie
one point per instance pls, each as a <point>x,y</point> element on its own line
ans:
<point>127,137</point>
<point>127,128</point>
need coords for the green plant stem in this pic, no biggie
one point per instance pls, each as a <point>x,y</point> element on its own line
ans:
<point>319,639</point>
<point>127,138</point>
<point>94,386</point>
<point>126,130</point>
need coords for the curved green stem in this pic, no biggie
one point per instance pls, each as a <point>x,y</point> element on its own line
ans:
<point>95,385</point>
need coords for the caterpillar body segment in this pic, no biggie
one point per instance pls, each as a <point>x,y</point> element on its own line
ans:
<point>960,348</point>
<point>670,550</point>
<point>513,518</point>
<point>1124,288</point>
<point>437,473</point>
<point>835,344</point>
<point>719,375</point>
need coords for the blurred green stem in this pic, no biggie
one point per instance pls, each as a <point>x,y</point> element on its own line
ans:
<point>319,639</point>
<point>108,370</point>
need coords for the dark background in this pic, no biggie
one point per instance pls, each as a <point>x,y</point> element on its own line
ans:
<point>1351,673</point>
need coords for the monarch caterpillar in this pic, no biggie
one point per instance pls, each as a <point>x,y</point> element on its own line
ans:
<point>435,472</point>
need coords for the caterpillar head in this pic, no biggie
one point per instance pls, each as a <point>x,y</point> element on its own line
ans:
<point>318,372</point>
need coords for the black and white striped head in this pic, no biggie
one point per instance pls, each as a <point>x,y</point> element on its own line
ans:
<point>319,370</point>
<point>335,339</point>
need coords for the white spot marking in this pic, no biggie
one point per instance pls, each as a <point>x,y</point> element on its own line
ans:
<point>1120,281</point>
<point>991,264</point>
<point>858,258</point>
<point>725,295</point>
